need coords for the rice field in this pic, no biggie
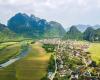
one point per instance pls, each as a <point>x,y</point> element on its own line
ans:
<point>6,44</point>
<point>95,51</point>
<point>34,65</point>
<point>8,52</point>
<point>31,67</point>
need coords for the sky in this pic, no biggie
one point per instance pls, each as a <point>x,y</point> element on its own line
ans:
<point>66,12</point>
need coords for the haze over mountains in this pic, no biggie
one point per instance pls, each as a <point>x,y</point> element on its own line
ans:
<point>24,26</point>
<point>83,27</point>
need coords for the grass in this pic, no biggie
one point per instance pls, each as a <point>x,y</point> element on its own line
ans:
<point>6,44</point>
<point>9,52</point>
<point>95,51</point>
<point>34,66</point>
<point>31,67</point>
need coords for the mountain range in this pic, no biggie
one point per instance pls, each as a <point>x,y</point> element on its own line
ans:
<point>83,27</point>
<point>90,34</point>
<point>32,26</point>
<point>22,26</point>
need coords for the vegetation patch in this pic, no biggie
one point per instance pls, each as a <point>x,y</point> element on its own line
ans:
<point>9,52</point>
<point>95,51</point>
<point>49,47</point>
<point>32,67</point>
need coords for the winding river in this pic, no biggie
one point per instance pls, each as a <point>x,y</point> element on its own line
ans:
<point>12,60</point>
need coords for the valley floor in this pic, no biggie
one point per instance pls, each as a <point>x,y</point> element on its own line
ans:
<point>31,67</point>
<point>34,66</point>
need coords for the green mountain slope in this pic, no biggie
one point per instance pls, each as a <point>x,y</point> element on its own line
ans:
<point>55,30</point>
<point>97,34</point>
<point>73,33</point>
<point>34,27</point>
<point>89,34</point>
<point>6,34</point>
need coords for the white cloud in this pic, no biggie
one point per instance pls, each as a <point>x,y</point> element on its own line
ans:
<point>65,11</point>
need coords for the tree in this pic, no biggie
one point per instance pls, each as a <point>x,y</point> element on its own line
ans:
<point>51,66</point>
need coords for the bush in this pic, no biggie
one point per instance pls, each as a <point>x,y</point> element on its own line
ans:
<point>49,47</point>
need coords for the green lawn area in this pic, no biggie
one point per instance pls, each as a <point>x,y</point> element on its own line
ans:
<point>9,52</point>
<point>31,67</point>
<point>95,51</point>
<point>6,44</point>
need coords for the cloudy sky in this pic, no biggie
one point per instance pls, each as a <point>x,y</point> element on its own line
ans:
<point>67,12</point>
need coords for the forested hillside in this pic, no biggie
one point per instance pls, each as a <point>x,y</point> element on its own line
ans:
<point>23,26</point>
<point>89,34</point>
<point>7,35</point>
<point>31,26</point>
<point>73,33</point>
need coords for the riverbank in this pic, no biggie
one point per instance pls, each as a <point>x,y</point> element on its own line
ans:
<point>31,67</point>
<point>12,60</point>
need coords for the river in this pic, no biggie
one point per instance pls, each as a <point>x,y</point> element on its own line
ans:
<point>12,60</point>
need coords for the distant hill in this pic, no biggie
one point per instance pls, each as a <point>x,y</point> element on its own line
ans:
<point>8,35</point>
<point>90,34</point>
<point>97,34</point>
<point>5,33</point>
<point>82,28</point>
<point>32,26</point>
<point>73,33</point>
<point>55,29</point>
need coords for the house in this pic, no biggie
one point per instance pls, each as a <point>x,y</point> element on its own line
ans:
<point>74,76</point>
<point>49,75</point>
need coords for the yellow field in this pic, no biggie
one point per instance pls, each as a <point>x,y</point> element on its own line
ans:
<point>32,67</point>
<point>95,51</point>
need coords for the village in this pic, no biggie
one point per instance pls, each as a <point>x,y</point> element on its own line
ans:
<point>72,61</point>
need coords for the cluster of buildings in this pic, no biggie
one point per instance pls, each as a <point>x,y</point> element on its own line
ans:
<point>73,61</point>
<point>72,51</point>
